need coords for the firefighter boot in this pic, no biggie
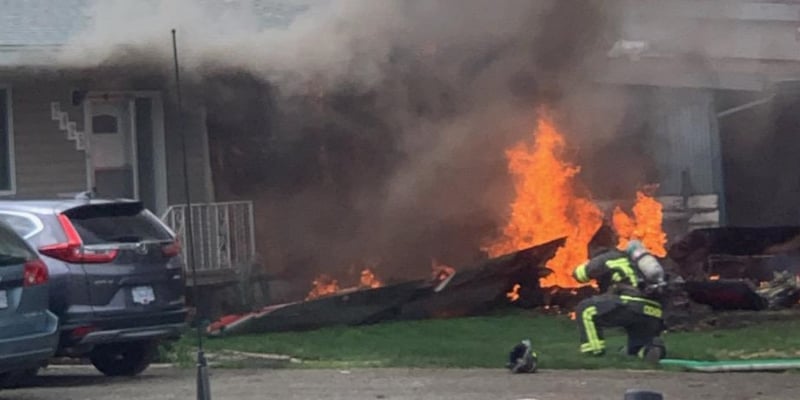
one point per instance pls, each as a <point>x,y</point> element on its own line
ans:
<point>653,352</point>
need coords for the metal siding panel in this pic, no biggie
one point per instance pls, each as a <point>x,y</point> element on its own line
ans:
<point>47,163</point>
<point>682,119</point>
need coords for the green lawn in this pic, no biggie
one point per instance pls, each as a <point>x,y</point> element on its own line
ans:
<point>485,342</point>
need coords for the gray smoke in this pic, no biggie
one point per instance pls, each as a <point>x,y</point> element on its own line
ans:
<point>365,129</point>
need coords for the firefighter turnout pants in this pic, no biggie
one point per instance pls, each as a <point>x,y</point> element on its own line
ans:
<point>641,318</point>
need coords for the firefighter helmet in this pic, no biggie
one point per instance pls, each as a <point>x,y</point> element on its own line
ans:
<point>522,358</point>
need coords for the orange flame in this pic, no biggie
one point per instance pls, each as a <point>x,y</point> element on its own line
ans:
<point>513,295</point>
<point>713,278</point>
<point>325,285</point>
<point>322,286</point>
<point>649,215</point>
<point>624,226</point>
<point>439,271</point>
<point>547,205</point>
<point>646,225</point>
<point>369,279</point>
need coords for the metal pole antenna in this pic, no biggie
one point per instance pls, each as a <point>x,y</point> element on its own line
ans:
<point>203,386</point>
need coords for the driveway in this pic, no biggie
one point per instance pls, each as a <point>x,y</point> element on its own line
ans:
<point>81,382</point>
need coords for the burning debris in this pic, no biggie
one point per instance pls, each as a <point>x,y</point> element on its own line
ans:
<point>369,280</point>
<point>324,285</point>
<point>473,290</point>
<point>513,295</point>
<point>732,269</point>
<point>516,278</point>
<point>440,272</point>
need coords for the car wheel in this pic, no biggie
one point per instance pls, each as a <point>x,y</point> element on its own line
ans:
<point>123,359</point>
<point>15,379</point>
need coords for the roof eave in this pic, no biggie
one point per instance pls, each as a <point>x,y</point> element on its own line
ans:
<point>28,55</point>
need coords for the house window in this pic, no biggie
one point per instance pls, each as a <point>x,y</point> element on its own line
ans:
<point>6,143</point>
<point>104,124</point>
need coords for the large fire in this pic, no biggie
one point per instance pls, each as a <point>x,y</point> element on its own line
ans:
<point>549,205</point>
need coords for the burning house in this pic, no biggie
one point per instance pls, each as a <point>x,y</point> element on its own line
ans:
<point>333,159</point>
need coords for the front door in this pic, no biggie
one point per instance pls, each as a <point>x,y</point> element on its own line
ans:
<point>112,142</point>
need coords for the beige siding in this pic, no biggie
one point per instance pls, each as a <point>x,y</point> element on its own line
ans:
<point>201,189</point>
<point>47,163</point>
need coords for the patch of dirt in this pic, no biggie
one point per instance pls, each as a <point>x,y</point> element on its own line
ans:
<point>240,359</point>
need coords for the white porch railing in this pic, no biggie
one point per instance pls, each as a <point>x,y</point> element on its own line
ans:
<point>224,235</point>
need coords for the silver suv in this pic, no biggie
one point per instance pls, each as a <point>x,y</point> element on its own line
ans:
<point>28,330</point>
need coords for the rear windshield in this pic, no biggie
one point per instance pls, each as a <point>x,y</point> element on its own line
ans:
<point>117,223</point>
<point>13,249</point>
<point>25,225</point>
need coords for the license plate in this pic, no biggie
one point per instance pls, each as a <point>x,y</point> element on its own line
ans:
<point>143,295</point>
<point>3,299</point>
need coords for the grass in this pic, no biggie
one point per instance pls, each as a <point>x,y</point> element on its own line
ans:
<point>483,342</point>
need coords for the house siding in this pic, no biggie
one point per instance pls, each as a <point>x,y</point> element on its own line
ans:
<point>200,187</point>
<point>46,162</point>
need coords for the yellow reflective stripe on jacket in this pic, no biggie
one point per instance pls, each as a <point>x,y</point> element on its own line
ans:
<point>650,307</point>
<point>580,274</point>
<point>640,300</point>
<point>622,270</point>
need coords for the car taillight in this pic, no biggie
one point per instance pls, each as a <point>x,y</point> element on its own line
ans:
<point>73,251</point>
<point>81,331</point>
<point>171,249</point>
<point>35,273</point>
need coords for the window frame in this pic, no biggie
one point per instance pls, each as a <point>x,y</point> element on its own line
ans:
<point>9,109</point>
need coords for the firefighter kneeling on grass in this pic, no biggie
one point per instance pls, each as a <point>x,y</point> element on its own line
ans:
<point>630,283</point>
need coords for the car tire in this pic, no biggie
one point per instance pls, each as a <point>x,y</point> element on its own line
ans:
<point>123,359</point>
<point>16,379</point>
